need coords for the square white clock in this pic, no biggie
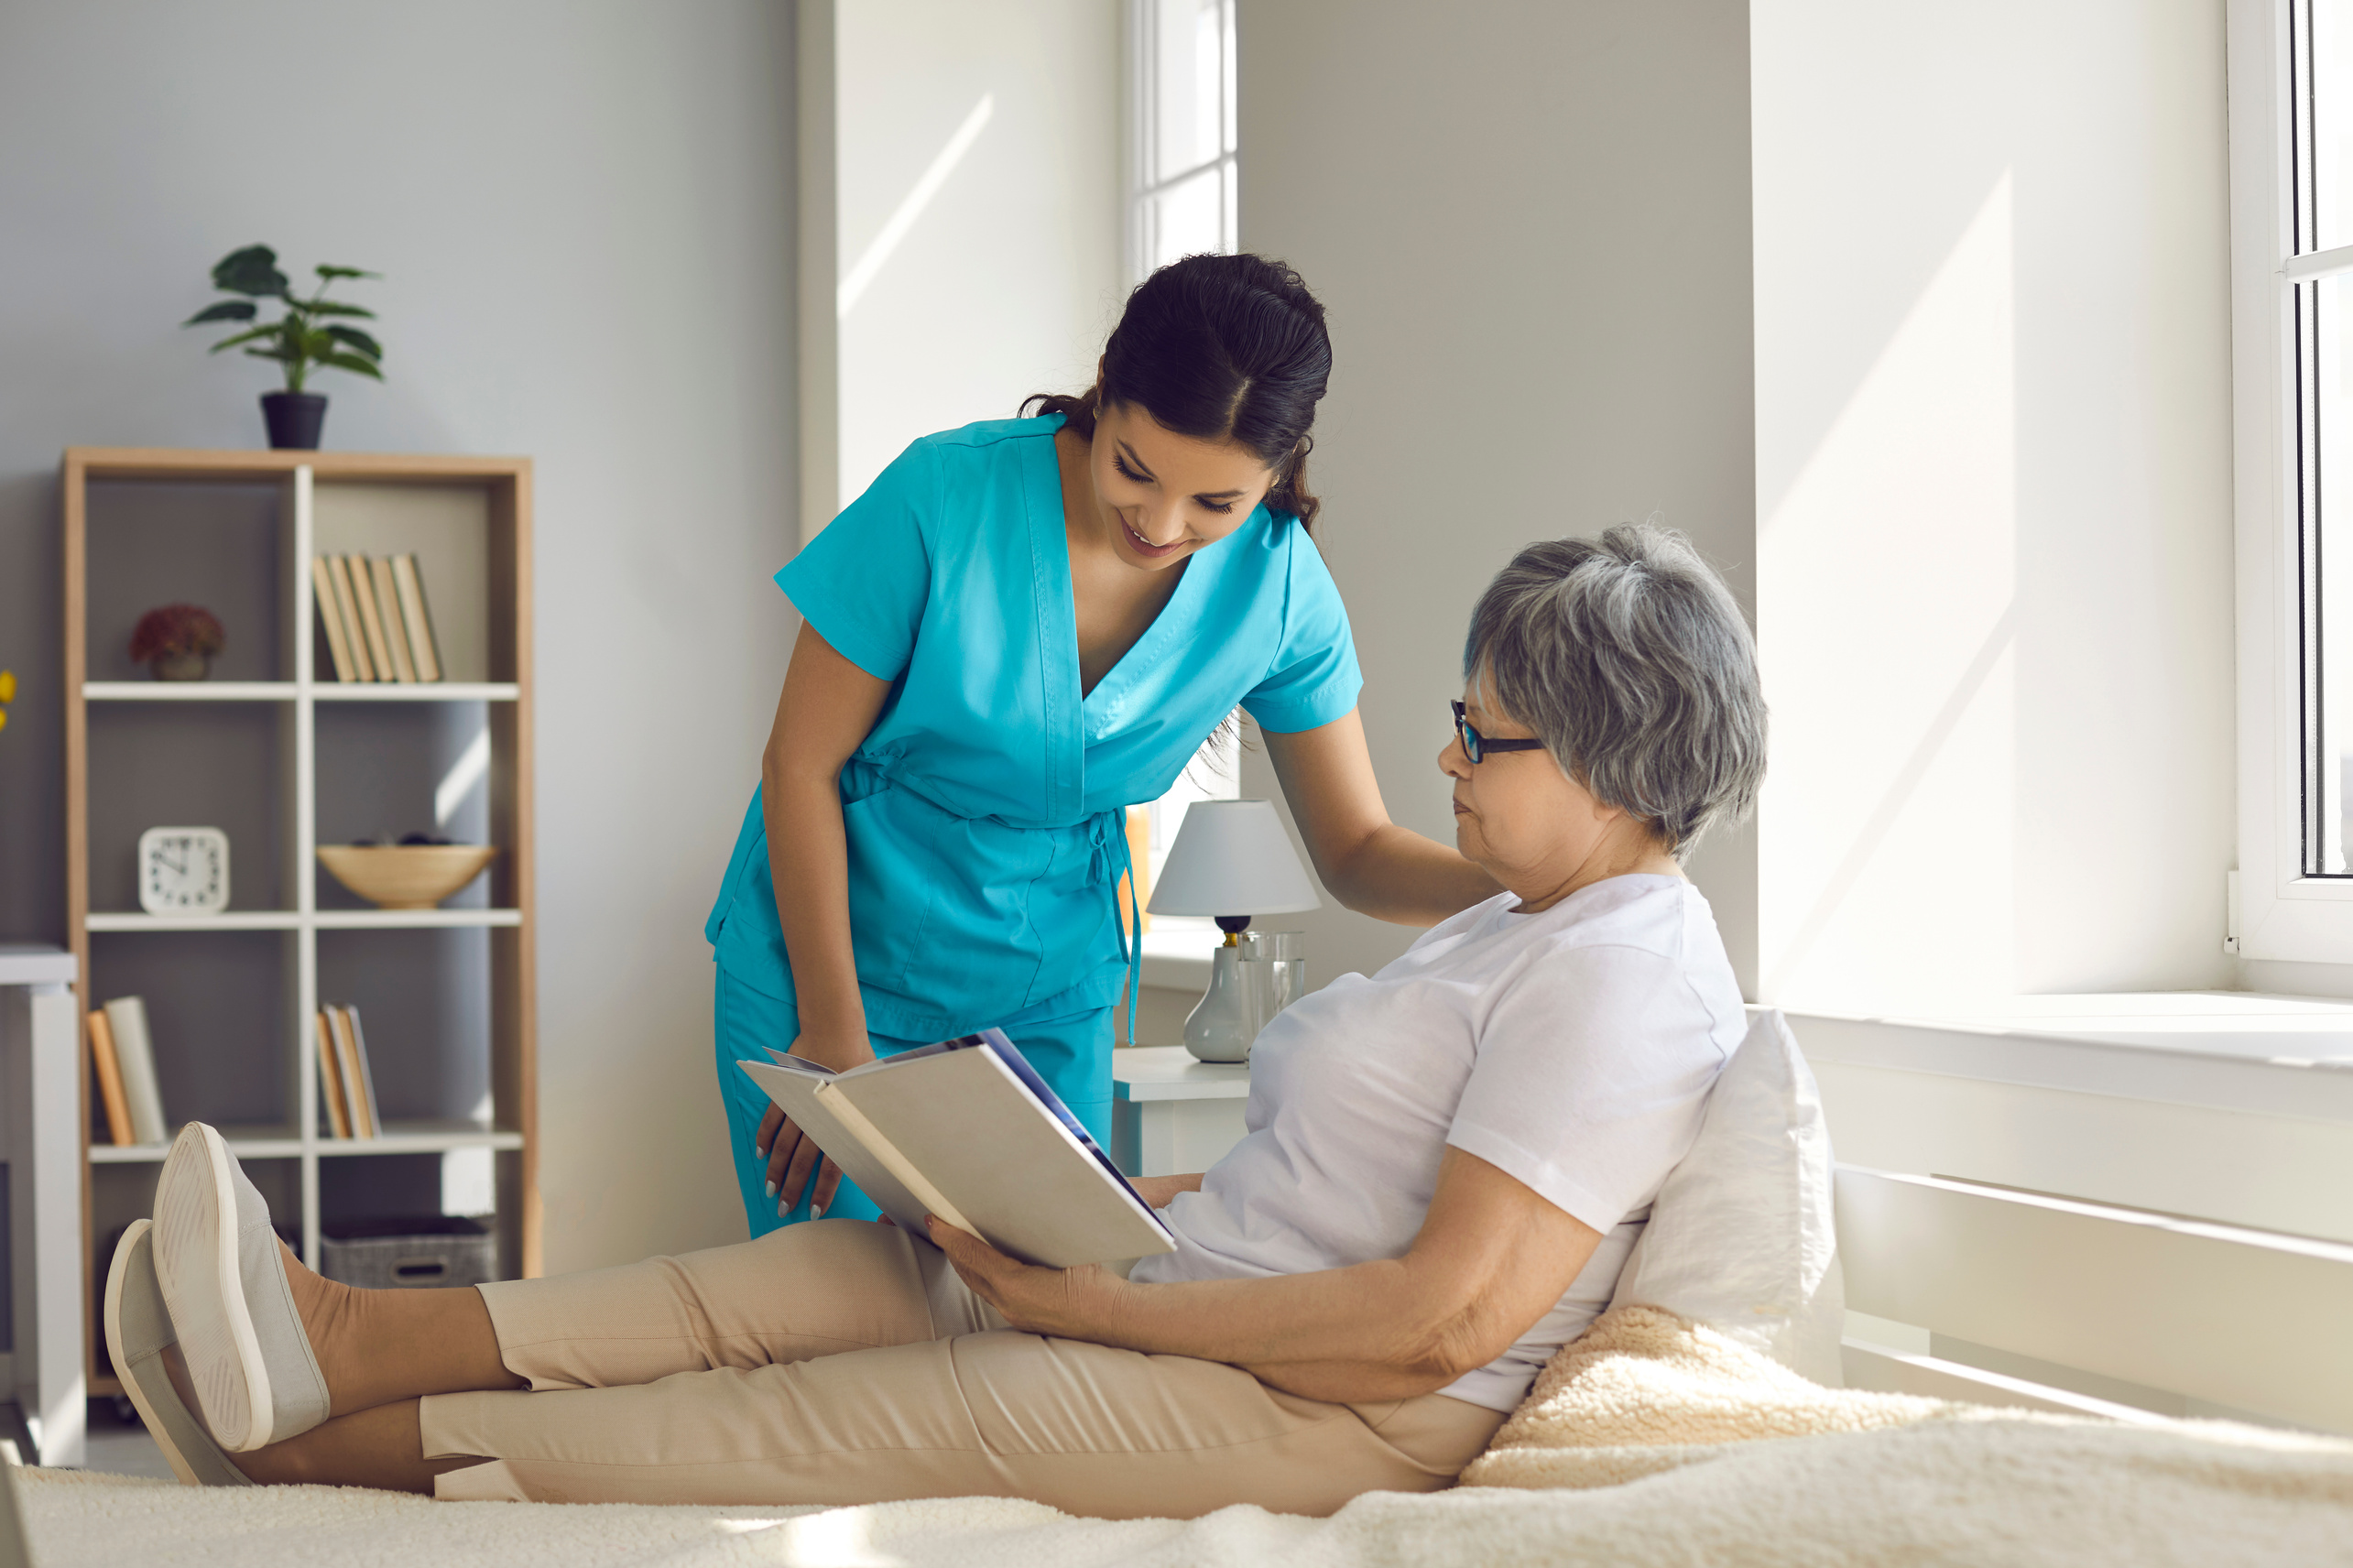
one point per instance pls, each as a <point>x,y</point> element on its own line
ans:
<point>183,871</point>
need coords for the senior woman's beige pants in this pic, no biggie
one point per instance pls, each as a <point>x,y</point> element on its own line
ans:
<point>844,1362</point>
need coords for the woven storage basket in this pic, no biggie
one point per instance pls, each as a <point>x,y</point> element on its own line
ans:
<point>423,1252</point>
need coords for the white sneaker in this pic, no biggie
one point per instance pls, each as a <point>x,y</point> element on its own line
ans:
<point>138,1330</point>
<point>257,1381</point>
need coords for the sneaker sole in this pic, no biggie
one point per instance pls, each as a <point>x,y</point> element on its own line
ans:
<point>196,1264</point>
<point>148,1417</point>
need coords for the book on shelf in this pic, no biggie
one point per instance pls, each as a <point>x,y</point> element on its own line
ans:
<point>423,651</point>
<point>396,634</point>
<point>331,1080</point>
<point>354,1083</point>
<point>376,620</point>
<point>965,1129</point>
<point>371,620</point>
<point>331,619</point>
<point>109,1068</point>
<point>366,1097</point>
<point>347,606</point>
<point>127,1022</point>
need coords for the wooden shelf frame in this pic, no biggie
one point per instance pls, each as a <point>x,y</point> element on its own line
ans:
<point>506,486</point>
<point>288,691</point>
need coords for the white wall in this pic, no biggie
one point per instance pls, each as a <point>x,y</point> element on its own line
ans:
<point>978,211</point>
<point>582,211</point>
<point>1530,223</point>
<point>1993,487</point>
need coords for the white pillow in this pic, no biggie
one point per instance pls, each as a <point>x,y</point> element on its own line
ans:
<point>1741,1237</point>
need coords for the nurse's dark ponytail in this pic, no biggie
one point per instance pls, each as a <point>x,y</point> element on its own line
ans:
<point>1219,348</point>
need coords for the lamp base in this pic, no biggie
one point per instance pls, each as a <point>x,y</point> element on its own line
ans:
<point>1226,1021</point>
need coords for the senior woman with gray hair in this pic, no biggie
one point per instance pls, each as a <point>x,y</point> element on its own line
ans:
<point>1446,1164</point>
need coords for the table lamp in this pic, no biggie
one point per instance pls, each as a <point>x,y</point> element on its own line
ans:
<point>1231,860</point>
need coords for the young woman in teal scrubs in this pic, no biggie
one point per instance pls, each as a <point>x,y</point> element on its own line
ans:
<point>1019,630</point>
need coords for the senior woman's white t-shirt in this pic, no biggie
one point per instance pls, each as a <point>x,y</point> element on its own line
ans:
<point>1572,1049</point>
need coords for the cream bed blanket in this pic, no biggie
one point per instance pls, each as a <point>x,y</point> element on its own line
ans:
<point>1649,1441</point>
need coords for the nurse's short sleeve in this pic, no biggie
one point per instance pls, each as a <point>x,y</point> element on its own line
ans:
<point>1594,1067</point>
<point>863,580</point>
<point>1312,679</point>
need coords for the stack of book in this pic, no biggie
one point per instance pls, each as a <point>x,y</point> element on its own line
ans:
<point>346,1081</point>
<point>374,614</point>
<point>123,1055</point>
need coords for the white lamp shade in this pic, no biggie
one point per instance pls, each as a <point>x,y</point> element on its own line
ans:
<point>1232,857</point>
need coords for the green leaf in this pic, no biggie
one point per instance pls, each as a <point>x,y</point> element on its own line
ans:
<point>270,330</point>
<point>226,310</point>
<point>279,354</point>
<point>326,271</point>
<point>353,363</point>
<point>358,341</point>
<point>332,308</point>
<point>253,270</point>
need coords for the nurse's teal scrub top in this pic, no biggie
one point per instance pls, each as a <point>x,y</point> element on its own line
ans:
<point>986,811</point>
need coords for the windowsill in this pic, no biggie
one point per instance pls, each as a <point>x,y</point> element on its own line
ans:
<point>2276,1055</point>
<point>1180,960</point>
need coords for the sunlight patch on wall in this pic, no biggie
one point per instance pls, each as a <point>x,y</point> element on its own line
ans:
<point>903,217</point>
<point>1886,860</point>
<point>465,776</point>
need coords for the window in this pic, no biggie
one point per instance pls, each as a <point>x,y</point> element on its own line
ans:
<point>1181,196</point>
<point>2292,205</point>
<point>1181,169</point>
<point>2319,291</point>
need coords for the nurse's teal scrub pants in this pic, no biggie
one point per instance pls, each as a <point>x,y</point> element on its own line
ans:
<point>1071,1051</point>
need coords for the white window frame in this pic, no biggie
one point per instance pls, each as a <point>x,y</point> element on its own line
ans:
<point>1142,186</point>
<point>1143,136</point>
<point>2278,912</point>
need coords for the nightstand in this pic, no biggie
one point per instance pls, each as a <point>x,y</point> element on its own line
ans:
<point>1172,1114</point>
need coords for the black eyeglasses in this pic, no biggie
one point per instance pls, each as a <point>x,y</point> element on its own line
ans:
<point>1476,746</point>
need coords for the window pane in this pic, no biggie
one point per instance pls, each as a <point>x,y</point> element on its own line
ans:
<point>1214,774</point>
<point>2324,486</point>
<point>2330,174</point>
<point>1189,219</point>
<point>1228,54</point>
<point>1189,85</point>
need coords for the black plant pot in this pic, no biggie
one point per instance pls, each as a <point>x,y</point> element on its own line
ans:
<point>294,419</point>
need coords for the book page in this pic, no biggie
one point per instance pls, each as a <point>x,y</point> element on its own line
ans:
<point>1029,1187</point>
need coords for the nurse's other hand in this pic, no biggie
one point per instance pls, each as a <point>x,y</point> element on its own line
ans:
<point>790,1153</point>
<point>792,1157</point>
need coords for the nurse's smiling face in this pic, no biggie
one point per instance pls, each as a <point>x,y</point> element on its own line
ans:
<point>1165,495</point>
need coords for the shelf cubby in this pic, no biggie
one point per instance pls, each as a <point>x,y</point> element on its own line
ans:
<point>282,756</point>
<point>229,767</point>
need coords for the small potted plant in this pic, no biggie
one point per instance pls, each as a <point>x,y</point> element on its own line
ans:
<point>305,336</point>
<point>178,642</point>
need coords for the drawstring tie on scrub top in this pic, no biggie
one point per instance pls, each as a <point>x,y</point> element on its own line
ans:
<point>1108,832</point>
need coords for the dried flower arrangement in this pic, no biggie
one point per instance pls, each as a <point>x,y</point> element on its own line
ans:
<point>178,641</point>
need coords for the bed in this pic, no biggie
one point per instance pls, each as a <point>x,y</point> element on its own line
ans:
<point>1987,1323</point>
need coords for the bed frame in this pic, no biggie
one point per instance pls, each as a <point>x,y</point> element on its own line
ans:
<point>2021,1243</point>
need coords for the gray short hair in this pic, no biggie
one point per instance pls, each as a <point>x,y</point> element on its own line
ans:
<point>1630,659</point>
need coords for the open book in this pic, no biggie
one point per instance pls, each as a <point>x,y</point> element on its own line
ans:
<point>965,1129</point>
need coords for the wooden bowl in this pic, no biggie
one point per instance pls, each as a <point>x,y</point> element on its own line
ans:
<point>405,875</point>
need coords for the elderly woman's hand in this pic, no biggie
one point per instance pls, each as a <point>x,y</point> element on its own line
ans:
<point>1070,1304</point>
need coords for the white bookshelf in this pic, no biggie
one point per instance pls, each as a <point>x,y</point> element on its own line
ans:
<point>487,584</point>
<point>308,920</point>
<point>293,691</point>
